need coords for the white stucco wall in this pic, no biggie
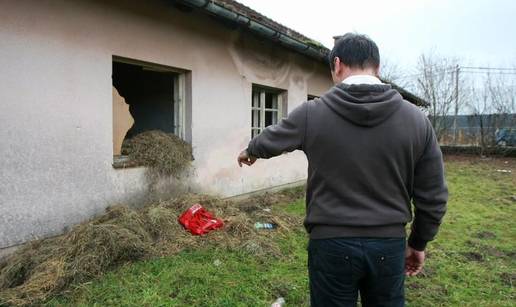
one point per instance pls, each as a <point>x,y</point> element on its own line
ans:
<point>56,105</point>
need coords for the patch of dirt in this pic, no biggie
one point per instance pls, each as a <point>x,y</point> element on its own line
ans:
<point>473,256</point>
<point>508,200</point>
<point>280,290</point>
<point>511,254</point>
<point>428,272</point>
<point>428,254</point>
<point>415,286</point>
<point>472,243</point>
<point>455,276</point>
<point>443,291</point>
<point>485,235</point>
<point>508,278</point>
<point>489,250</point>
<point>251,207</point>
<point>493,251</point>
<point>496,162</point>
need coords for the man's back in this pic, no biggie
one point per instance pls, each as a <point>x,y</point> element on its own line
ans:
<point>363,144</point>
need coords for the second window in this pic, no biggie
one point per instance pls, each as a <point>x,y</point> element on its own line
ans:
<point>268,107</point>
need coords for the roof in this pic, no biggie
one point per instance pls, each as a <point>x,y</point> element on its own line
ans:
<point>246,17</point>
<point>412,98</point>
<point>249,12</point>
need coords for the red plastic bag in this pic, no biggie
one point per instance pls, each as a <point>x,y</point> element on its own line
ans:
<point>199,221</point>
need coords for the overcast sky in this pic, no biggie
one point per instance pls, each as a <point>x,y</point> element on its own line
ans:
<point>480,32</point>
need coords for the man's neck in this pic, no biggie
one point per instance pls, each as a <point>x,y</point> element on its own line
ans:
<point>362,79</point>
<point>361,72</point>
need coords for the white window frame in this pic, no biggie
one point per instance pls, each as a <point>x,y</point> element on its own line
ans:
<point>179,106</point>
<point>258,109</point>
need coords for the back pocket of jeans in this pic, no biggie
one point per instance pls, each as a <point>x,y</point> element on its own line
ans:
<point>391,265</point>
<point>337,265</point>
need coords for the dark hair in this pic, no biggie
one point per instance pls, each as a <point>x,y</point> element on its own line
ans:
<point>355,51</point>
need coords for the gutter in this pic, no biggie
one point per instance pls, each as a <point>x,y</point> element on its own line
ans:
<point>257,28</point>
<point>408,95</point>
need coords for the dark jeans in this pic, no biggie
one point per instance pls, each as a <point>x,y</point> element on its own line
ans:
<point>340,268</point>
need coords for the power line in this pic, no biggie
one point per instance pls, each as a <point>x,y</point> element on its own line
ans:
<point>431,72</point>
<point>493,73</point>
<point>464,69</point>
<point>487,68</point>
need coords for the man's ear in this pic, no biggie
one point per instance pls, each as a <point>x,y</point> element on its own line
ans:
<point>336,64</point>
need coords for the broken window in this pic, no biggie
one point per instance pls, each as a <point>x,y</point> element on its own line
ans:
<point>146,97</point>
<point>267,108</point>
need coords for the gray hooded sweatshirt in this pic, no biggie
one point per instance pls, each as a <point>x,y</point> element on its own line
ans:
<point>370,155</point>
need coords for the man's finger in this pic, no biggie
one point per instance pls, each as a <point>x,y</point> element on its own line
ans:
<point>246,162</point>
<point>412,271</point>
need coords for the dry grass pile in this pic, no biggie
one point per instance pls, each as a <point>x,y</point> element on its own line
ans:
<point>163,152</point>
<point>45,268</point>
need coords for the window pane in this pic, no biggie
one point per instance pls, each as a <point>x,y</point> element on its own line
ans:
<point>274,118</point>
<point>271,101</point>
<point>271,118</point>
<point>256,118</point>
<point>256,99</point>
<point>268,118</point>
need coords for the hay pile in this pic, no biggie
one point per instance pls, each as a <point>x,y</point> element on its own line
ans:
<point>164,153</point>
<point>45,268</point>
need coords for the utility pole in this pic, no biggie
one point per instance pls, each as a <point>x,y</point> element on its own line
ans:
<point>457,70</point>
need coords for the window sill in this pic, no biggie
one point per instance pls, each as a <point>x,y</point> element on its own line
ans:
<point>121,161</point>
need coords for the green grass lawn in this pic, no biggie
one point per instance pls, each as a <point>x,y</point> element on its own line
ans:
<point>472,263</point>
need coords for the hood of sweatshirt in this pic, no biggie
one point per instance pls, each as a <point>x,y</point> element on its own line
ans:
<point>363,104</point>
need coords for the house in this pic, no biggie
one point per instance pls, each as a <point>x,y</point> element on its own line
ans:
<point>213,72</point>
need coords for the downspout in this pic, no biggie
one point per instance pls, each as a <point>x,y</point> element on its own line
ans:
<point>256,27</point>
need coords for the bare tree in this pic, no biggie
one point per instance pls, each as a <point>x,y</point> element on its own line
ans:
<point>480,106</point>
<point>440,87</point>
<point>493,106</point>
<point>392,73</point>
<point>502,92</point>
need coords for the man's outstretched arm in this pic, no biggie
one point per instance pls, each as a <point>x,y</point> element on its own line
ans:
<point>288,135</point>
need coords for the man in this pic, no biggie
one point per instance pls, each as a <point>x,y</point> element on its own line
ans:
<point>370,154</point>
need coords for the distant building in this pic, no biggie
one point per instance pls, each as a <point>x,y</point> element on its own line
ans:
<point>470,128</point>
